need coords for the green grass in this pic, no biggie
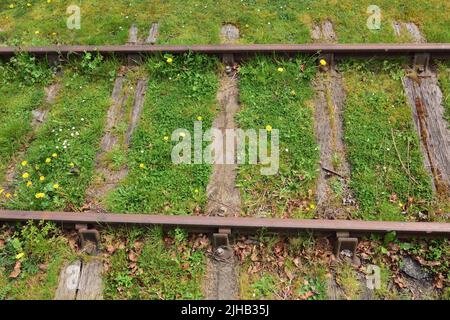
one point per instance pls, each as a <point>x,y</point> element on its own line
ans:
<point>376,115</point>
<point>281,100</point>
<point>161,267</point>
<point>281,269</point>
<point>21,91</point>
<point>444,82</point>
<point>177,94</point>
<point>195,21</point>
<point>69,140</point>
<point>41,251</point>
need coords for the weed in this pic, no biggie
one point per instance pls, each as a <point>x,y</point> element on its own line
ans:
<point>178,93</point>
<point>34,253</point>
<point>279,99</point>
<point>59,161</point>
<point>383,147</point>
<point>153,266</point>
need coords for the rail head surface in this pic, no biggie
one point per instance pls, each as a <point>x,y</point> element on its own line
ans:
<point>237,225</point>
<point>440,50</point>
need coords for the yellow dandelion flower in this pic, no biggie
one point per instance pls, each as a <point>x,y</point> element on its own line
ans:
<point>53,33</point>
<point>312,206</point>
<point>39,195</point>
<point>268,128</point>
<point>169,60</point>
<point>25,175</point>
<point>166,138</point>
<point>142,166</point>
<point>56,186</point>
<point>24,163</point>
<point>48,160</point>
<point>36,32</point>
<point>196,190</point>
<point>8,195</point>
<point>49,1</point>
<point>323,62</point>
<point>55,155</point>
<point>400,205</point>
<point>199,118</point>
<point>71,164</point>
<point>11,6</point>
<point>20,255</point>
<point>28,4</point>
<point>280,69</point>
<point>29,184</point>
<point>41,178</point>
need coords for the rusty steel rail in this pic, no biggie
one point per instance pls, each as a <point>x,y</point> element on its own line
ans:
<point>436,50</point>
<point>237,225</point>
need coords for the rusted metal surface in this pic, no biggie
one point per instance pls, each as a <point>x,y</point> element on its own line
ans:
<point>237,225</point>
<point>438,50</point>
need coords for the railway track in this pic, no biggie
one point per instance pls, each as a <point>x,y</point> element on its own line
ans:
<point>222,227</point>
<point>205,224</point>
<point>436,50</point>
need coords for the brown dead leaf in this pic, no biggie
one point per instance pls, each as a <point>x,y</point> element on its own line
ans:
<point>400,282</point>
<point>306,295</point>
<point>16,271</point>
<point>132,256</point>
<point>110,248</point>
<point>289,274</point>
<point>2,243</point>
<point>43,267</point>
<point>138,245</point>
<point>439,281</point>
<point>185,266</point>
<point>393,198</point>
<point>297,262</point>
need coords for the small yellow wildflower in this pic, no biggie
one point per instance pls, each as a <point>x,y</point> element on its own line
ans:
<point>36,32</point>
<point>56,186</point>
<point>29,184</point>
<point>41,178</point>
<point>49,1</point>
<point>55,155</point>
<point>53,33</point>
<point>8,195</point>
<point>196,190</point>
<point>400,205</point>
<point>142,166</point>
<point>25,175</point>
<point>28,4</point>
<point>280,69</point>
<point>71,164</point>
<point>11,6</point>
<point>323,62</point>
<point>169,60</point>
<point>312,206</point>
<point>24,163</point>
<point>20,255</point>
<point>48,160</point>
<point>199,118</point>
<point>268,128</point>
<point>166,138</point>
<point>39,195</point>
